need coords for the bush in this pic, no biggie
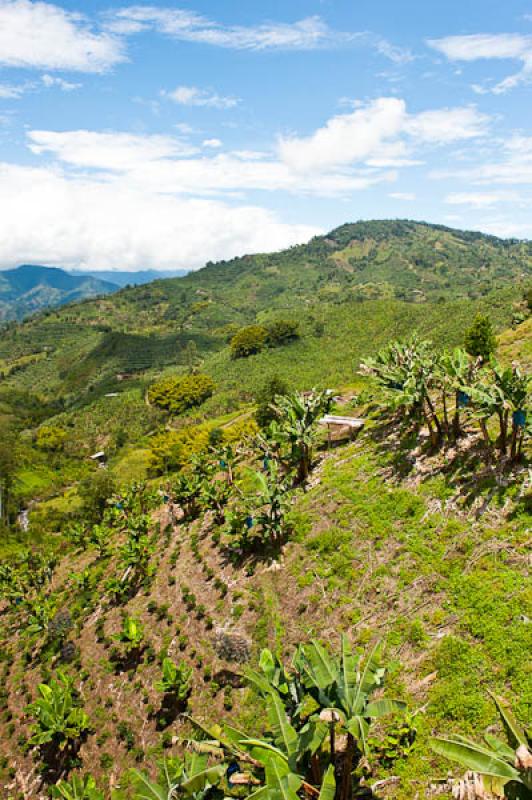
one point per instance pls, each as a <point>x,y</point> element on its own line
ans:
<point>248,341</point>
<point>273,387</point>
<point>177,394</point>
<point>282,332</point>
<point>50,437</point>
<point>94,492</point>
<point>480,339</point>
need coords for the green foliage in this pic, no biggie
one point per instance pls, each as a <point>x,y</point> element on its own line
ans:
<point>248,341</point>
<point>191,777</point>
<point>131,635</point>
<point>50,437</point>
<point>282,331</point>
<point>77,788</point>
<point>503,766</point>
<point>265,398</point>
<point>480,341</point>
<point>95,491</point>
<point>59,721</point>
<point>179,394</point>
<point>176,680</point>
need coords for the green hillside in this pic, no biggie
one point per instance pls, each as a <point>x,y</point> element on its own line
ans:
<point>157,596</point>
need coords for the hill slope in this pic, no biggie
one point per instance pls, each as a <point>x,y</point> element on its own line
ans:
<point>30,288</point>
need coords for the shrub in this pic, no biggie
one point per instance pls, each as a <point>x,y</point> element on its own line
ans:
<point>282,331</point>
<point>50,437</point>
<point>248,341</point>
<point>480,339</point>
<point>177,394</point>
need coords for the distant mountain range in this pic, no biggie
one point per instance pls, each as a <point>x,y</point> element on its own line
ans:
<point>31,288</point>
<point>121,278</point>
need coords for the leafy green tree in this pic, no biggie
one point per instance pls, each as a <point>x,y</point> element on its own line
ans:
<point>480,341</point>
<point>178,394</point>
<point>506,767</point>
<point>8,467</point>
<point>248,341</point>
<point>95,491</point>
<point>50,437</point>
<point>265,398</point>
<point>282,331</point>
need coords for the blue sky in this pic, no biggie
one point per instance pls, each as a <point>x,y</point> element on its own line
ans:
<point>167,134</point>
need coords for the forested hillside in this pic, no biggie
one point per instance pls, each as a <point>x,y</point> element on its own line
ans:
<point>205,591</point>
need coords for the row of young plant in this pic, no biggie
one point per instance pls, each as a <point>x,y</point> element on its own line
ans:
<point>446,391</point>
<point>316,741</point>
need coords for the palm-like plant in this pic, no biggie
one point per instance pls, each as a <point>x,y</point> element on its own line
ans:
<point>506,767</point>
<point>191,777</point>
<point>457,373</point>
<point>273,503</point>
<point>176,680</point>
<point>298,416</point>
<point>131,635</point>
<point>59,720</point>
<point>77,788</point>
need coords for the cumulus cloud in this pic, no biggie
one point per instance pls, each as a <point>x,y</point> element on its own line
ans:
<point>106,151</point>
<point>477,46</point>
<point>381,133</point>
<point>66,86</point>
<point>42,35</point>
<point>51,218</point>
<point>194,96</point>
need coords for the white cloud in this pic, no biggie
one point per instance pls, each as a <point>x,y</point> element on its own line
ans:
<point>42,35</point>
<point>477,46</point>
<point>480,199</point>
<point>48,217</point>
<point>106,151</point>
<point>406,196</point>
<point>11,92</point>
<point>66,86</point>
<point>310,33</point>
<point>215,143</point>
<point>380,133</point>
<point>194,96</point>
<point>510,164</point>
<point>305,34</point>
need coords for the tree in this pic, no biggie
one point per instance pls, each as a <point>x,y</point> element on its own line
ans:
<point>178,394</point>
<point>248,341</point>
<point>297,426</point>
<point>95,491</point>
<point>480,341</point>
<point>265,397</point>
<point>8,466</point>
<point>282,331</point>
<point>503,766</point>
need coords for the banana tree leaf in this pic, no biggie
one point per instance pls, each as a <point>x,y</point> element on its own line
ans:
<point>262,750</point>
<point>284,734</point>
<point>378,708</point>
<point>515,733</point>
<point>311,738</point>
<point>204,778</point>
<point>498,746</point>
<point>318,666</point>
<point>146,789</point>
<point>283,784</point>
<point>359,728</point>
<point>475,758</point>
<point>328,786</point>
<point>348,677</point>
<point>258,681</point>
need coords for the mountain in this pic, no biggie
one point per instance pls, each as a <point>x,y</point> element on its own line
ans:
<point>385,274</point>
<point>412,545</point>
<point>31,288</point>
<point>137,278</point>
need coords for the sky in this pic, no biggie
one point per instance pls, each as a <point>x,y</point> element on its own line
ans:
<point>166,134</point>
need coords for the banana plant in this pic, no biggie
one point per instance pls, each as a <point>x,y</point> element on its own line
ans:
<point>41,610</point>
<point>272,504</point>
<point>214,495</point>
<point>504,766</point>
<point>176,680</point>
<point>457,373</point>
<point>131,635</point>
<point>298,417</point>
<point>186,491</point>
<point>77,788</point>
<point>59,720</point>
<point>191,777</point>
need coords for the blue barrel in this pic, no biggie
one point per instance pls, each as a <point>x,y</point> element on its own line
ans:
<point>249,522</point>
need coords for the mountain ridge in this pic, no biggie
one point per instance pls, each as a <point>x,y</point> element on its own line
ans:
<point>30,288</point>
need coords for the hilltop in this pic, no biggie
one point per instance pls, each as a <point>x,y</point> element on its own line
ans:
<point>31,288</point>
